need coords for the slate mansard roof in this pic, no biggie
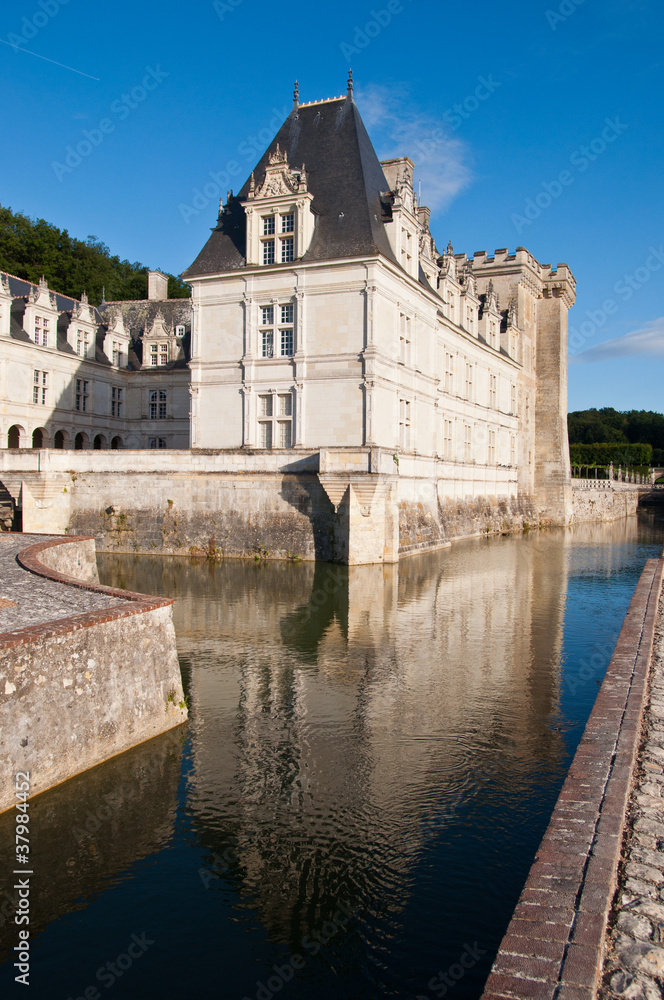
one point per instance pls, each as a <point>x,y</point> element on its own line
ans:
<point>350,192</point>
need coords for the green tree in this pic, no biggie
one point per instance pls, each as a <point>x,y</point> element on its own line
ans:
<point>32,247</point>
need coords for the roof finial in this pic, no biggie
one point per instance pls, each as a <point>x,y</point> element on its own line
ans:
<point>350,84</point>
<point>296,96</point>
<point>103,295</point>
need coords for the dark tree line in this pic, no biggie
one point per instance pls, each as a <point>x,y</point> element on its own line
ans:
<point>616,427</point>
<point>32,247</point>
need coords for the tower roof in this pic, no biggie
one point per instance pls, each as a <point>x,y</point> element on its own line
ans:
<point>344,175</point>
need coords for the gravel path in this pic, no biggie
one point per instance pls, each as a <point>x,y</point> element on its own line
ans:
<point>37,600</point>
<point>634,963</point>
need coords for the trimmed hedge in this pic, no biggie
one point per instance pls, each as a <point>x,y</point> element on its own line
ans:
<point>604,454</point>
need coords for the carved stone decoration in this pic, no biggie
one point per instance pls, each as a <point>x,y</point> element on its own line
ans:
<point>279,179</point>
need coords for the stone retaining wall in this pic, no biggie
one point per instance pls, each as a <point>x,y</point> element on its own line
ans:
<point>596,504</point>
<point>554,944</point>
<point>76,691</point>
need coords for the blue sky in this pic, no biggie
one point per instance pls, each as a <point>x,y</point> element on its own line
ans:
<point>534,124</point>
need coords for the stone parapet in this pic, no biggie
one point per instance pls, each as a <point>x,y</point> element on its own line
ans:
<point>78,690</point>
<point>554,945</point>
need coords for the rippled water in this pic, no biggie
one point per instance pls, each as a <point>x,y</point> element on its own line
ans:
<point>371,760</point>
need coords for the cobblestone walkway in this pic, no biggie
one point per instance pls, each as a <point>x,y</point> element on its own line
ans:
<point>37,600</point>
<point>634,963</point>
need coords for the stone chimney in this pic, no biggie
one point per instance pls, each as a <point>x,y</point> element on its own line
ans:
<point>157,286</point>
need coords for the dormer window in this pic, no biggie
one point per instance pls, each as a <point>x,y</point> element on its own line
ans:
<point>287,250</point>
<point>118,354</point>
<point>288,223</point>
<point>158,355</point>
<point>268,225</point>
<point>82,344</point>
<point>268,251</point>
<point>41,331</point>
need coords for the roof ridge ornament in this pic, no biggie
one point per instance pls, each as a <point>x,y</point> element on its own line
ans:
<point>296,96</point>
<point>349,92</point>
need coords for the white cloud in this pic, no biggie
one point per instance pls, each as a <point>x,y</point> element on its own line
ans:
<point>399,128</point>
<point>646,342</point>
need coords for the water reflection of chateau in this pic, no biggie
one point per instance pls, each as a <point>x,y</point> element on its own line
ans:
<point>348,712</point>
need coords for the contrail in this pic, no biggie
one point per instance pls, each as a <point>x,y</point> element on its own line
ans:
<point>46,59</point>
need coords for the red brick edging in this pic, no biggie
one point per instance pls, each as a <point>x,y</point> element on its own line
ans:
<point>553,948</point>
<point>134,604</point>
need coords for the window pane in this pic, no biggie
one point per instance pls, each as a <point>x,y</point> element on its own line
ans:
<point>286,343</point>
<point>268,225</point>
<point>267,345</point>
<point>268,315</point>
<point>287,313</point>
<point>285,405</point>
<point>286,250</point>
<point>266,406</point>
<point>284,433</point>
<point>287,223</point>
<point>266,435</point>
<point>268,252</point>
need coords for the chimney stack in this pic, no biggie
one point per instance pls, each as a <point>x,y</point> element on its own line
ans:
<point>157,286</point>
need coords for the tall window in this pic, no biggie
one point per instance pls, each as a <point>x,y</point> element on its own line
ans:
<point>404,424</point>
<point>82,344</point>
<point>512,450</point>
<point>404,339</point>
<point>279,336</point>
<point>276,243</point>
<point>467,443</point>
<point>275,420</point>
<point>41,330</point>
<point>491,450</point>
<point>469,381</point>
<point>157,443</point>
<point>493,391</point>
<point>406,250</point>
<point>116,401</point>
<point>513,399</point>
<point>39,387</point>
<point>157,410</point>
<point>81,398</point>
<point>118,354</point>
<point>449,372</point>
<point>447,439</point>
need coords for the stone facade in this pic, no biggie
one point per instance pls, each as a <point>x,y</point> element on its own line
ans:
<point>75,376</point>
<point>325,332</point>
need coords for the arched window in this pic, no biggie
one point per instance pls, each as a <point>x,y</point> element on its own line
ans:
<point>38,438</point>
<point>80,441</point>
<point>59,440</point>
<point>116,443</point>
<point>14,437</point>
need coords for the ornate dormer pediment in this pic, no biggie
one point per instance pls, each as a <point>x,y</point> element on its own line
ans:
<point>280,223</point>
<point>41,296</point>
<point>279,180</point>
<point>83,312</point>
<point>4,287</point>
<point>159,330</point>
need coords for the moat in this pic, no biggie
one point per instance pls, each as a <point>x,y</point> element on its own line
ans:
<point>371,759</point>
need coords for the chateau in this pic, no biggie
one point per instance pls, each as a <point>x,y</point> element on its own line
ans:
<point>326,336</point>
